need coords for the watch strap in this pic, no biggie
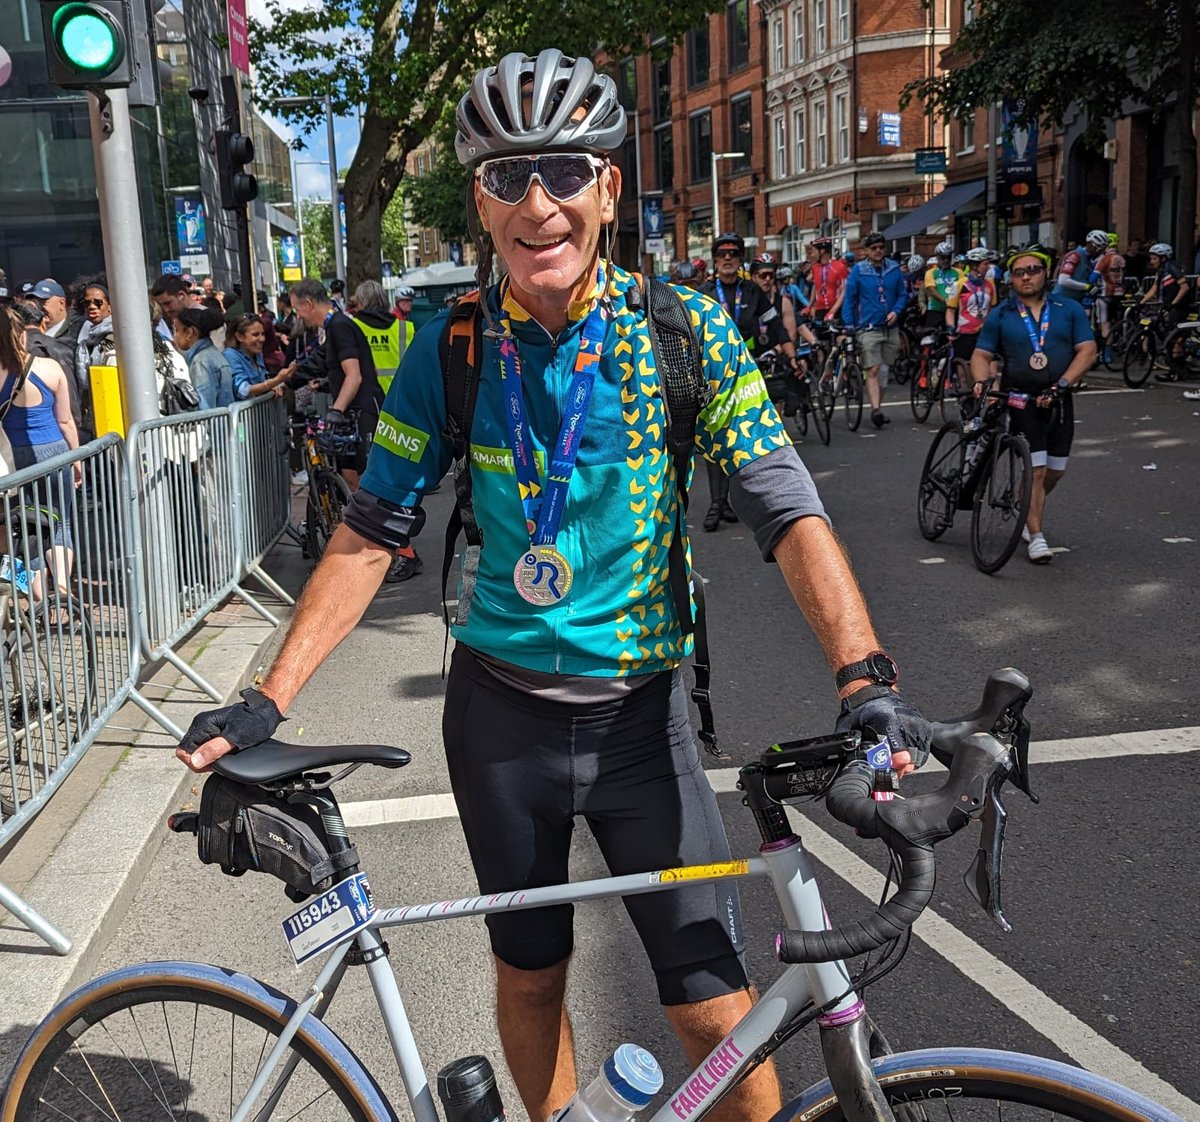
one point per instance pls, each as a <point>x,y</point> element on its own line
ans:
<point>864,668</point>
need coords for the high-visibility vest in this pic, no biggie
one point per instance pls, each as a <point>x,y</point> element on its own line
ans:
<point>387,347</point>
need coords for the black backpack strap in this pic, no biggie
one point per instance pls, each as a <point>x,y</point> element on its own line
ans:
<point>460,349</point>
<point>678,357</point>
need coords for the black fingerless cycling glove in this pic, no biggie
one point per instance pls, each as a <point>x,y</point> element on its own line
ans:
<point>244,725</point>
<point>882,711</point>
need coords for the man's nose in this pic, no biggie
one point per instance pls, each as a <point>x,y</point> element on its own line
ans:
<point>538,201</point>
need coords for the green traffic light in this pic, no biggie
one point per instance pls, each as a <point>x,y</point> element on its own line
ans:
<point>88,39</point>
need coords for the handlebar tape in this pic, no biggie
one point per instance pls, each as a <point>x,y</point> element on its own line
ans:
<point>850,801</point>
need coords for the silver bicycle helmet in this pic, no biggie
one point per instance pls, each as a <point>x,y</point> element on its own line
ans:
<point>916,263</point>
<point>978,253</point>
<point>1097,240</point>
<point>944,249</point>
<point>524,106</point>
<point>1162,249</point>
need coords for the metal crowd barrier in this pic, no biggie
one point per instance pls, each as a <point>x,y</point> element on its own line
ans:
<point>109,557</point>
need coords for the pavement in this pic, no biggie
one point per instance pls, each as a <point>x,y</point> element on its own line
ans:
<point>1101,968</point>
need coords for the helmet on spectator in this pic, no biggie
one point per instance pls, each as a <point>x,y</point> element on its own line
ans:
<point>1163,250</point>
<point>404,292</point>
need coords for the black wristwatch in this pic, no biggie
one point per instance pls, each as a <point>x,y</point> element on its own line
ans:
<point>877,666</point>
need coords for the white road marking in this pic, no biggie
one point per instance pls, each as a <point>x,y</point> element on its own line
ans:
<point>1178,541</point>
<point>932,561</point>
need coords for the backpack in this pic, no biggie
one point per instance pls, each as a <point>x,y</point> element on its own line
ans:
<point>685,391</point>
<point>178,396</point>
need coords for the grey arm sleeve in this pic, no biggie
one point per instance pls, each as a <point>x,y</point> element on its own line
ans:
<point>381,521</point>
<point>771,493</point>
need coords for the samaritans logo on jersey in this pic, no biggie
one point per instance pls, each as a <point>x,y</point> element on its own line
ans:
<point>404,440</point>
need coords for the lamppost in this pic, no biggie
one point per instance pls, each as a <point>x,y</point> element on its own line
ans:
<point>339,265</point>
<point>300,212</point>
<point>715,189</point>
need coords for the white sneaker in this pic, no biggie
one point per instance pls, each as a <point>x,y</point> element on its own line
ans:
<point>1191,395</point>
<point>1025,534</point>
<point>1039,551</point>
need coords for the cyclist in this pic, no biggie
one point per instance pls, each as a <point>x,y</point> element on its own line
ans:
<point>1111,269</point>
<point>827,278</point>
<point>1172,288</point>
<point>557,709</point>
<point>1077,276</point>
<point>1047,346</point>
<point>940,278</point>
<point>874,302</point>
<point>972,300</point>
<point>763,270</point>
<point>762,328</point>
<point>794,287</point>
<point>914,281</point>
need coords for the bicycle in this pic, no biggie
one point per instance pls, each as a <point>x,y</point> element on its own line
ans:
<point>842,377</point>
<point>798,392</point>
<point>328,492</point>
<point>115,1036</point>
<point>48,666</point>
<point>936,370</point>
<point>1144,345</point>
<point>979,465</point>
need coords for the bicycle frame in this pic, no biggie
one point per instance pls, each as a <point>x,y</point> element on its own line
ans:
<point>754,1037</point>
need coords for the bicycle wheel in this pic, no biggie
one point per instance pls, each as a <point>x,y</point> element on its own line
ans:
<point>328,496</point>
<point>182,1040</point>
<point>803,405</point>
<point>852,395</point>
<point>921,392</point>
<point>819,416</point>
<point>941,479</point>
<point>1139,358</point>
<point>906,359</point>
<point>949,397</point>
<point>826,399</point>
<point>1001,503</point>
<point>978,1084</point>
<point>1118,342</point>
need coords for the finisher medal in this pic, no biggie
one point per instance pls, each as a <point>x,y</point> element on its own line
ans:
<point>543,576</point>
<point>1038,361</point>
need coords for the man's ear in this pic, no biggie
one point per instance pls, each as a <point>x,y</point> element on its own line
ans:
<point>610,194</point>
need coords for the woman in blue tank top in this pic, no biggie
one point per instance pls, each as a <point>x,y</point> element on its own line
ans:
<point>38,423</point>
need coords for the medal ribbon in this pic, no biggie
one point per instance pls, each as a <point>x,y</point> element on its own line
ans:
<point>737,300</point>
<point>1037,339</point>
<point>544,506</point>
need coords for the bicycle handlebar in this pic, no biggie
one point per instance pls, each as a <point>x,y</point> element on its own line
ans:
<point>980,763</point>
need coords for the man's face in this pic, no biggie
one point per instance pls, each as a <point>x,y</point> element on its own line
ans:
<point>207,286</point>
<point>548,245</point>
<point>765,279</point>
<point>404,307</point>
<point>310,312</point>
<point>1028,276</point>
<point>172,303</point>
<point>875,253</point>
<point>811,254</point>
<point>56,309</point>
<point>727,261</point>
<point>1155,261</point>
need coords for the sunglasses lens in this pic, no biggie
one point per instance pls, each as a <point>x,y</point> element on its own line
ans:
<point>564,177</point>
<point>506,180</point>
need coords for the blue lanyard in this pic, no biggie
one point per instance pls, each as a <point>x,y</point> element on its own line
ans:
<point>737,300</point>
<point>1037,339</point>
<point>544,506</point>
<point>879,284</point>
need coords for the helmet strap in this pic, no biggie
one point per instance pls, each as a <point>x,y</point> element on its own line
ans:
<point>485,251</point>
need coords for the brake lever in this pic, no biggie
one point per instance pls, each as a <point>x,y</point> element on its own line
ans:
<point>1020,776</point>
<point>983,877</point>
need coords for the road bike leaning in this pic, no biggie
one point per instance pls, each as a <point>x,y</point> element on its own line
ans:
<point>186,1040</point>
<point>328,492</point>
<point>797,392</point>
<point>937,376</point>
<point>842,378</point>
<point>978,465</point>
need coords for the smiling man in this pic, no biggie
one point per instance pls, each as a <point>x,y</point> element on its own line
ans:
<point>565,696</point>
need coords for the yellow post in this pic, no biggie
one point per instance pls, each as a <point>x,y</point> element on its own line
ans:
<point>106,400</point>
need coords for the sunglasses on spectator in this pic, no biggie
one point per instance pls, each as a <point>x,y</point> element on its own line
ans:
<point>1028,271</point>
<point>94,303</point>
<point>727,253</point>
<point>563,176</point>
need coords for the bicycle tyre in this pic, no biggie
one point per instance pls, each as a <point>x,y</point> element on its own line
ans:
<point>921,392</point>
<point>1009,459</point>
<point>967,1076</point>
<point>41,1086</point>
<point>852,394</point>
<point>826,399</point>
<point>328,496</point>
<point>1139,358</point>
<point>802,408</point>
<point>951,388</point>
<point>820,419</point>
<point>937,493</point>
<point>906,359</point>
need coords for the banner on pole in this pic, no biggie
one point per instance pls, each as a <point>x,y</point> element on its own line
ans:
<point>191,233</point>
<point>239,36</point>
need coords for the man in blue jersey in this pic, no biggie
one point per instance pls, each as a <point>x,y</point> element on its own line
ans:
<point>564,695</point>
<point>875,299</point>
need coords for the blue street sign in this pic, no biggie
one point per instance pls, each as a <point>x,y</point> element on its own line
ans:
<point>172,269</point>
<point>929,161</point>
<point>889,130</point>
<point>652,216</point>
<point>289,250</point>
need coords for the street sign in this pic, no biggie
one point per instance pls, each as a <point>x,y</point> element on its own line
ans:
<point>289,251</point>
<point>1017,181</point>
<point>656,247</point>
<point>929,161</point>
<point>292,273</point>
<point>652,217</point>
<point>239,38</point>
<point>172,269</point>
<point>889,130</point>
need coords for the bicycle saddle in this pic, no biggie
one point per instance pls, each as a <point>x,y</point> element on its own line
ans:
<point>272,760</point>
<point>1003,688</point>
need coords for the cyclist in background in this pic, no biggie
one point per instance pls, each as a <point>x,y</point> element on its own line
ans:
<point>764,271</point>
<point>914,282</point>
<point>794,287</point>
<point>1111,268</point>
<point>827,279</point>
<point>1047,346</point>
<point>940,279</point>
<point>971,302</point>
<point>1174,290</point>
<point>874,302</point>
<point>1077,276</point>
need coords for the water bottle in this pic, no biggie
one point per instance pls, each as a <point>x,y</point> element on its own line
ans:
<point>629,1079</point>
<point>468,1091</point>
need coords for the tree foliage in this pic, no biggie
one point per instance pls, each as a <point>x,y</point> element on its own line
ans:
<point>318,238</point>
<point>405,62</point>
<point>1107,59</point>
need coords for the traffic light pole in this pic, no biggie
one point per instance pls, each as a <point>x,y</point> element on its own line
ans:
<point>124,257</point>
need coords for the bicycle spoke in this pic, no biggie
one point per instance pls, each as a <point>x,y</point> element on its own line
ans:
<point>153,1067</point>
<point>307,1105</point>
<point>133,1067</point>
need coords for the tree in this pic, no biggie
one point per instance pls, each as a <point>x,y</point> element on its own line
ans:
<point>406,61</point>
<point>392,235</point>
<point>439,197</point>
<point>1109,59</point>
<point>318,238</point>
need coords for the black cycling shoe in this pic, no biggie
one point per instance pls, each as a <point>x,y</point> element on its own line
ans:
<point>712,520</point>
<point>403,568</point>
<point>728,514</point>
<point>1166,376</point>
<point>879,418</point>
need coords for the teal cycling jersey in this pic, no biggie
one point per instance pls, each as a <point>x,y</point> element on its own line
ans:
<point>619,617</point>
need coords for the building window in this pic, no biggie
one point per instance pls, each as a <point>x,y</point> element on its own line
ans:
<point>969,11</point>
<point>792,247</point>
<point>797,34</point>
<point>967,134</point>
<point>660,77</point>
<point>664,157</point>
<point>820,134</point>
<point>627,73</point>
<point>741,134</point>
<point>700,143</point>
<point>697,55</point>
<point>799,140</point>
<point>843,21</point>
<point>820,30</point>
<point>739,33</point>
<point>778,58</point>
<point>841,123</point>
<point>779,131</point>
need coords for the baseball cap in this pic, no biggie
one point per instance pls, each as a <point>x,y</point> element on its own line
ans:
<point>44,289</point>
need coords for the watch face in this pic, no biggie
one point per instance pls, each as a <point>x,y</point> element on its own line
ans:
<point>883,667</point>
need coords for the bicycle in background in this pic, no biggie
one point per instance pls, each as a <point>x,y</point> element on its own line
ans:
<point>842,377</point>
<point>937,376</point>
<point>328,492</point>
<point>797,391</point>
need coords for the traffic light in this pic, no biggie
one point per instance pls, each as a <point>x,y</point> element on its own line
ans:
<point>88,43</point>
<point>234,152</point>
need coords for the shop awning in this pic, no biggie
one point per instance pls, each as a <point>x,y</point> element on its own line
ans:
<point>953,197</point>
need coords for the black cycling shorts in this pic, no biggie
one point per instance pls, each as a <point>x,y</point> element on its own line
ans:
<point>1048,431</point>
<point>964,346</point>
<point>522,769</point>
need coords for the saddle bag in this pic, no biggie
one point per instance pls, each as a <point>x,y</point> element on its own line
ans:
<point>244,828</point>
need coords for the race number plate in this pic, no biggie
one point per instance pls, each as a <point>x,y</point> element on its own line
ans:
<point>1018,400</point>
<point>329,918</point>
